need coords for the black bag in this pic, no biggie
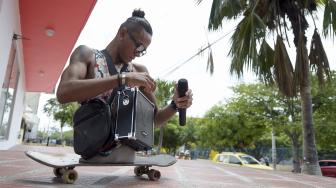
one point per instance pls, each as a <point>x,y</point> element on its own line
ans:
<point>93,127</point>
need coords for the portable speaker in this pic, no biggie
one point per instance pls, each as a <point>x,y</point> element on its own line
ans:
<point>134,121</point>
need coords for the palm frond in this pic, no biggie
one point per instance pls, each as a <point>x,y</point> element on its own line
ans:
<point>283,69</point>
<point>210,63</point>
<point>270,18</point>
<point>293,11</point>
<point>198,2</point>
<point>310,5</point>
<point>266,62</point>
<point>329,18</point>
<point>220,9</point>
<point>244,40</point>
<point>260,7</point>
<point>318,58</point>
<point>301,65</point>
<point>321,2</point>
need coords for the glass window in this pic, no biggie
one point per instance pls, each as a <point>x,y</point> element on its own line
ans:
<point>332,164</point>
<point>220,158</point>
<point>248,159</point>
<point>234,160</point>
<point>323,163</point>
<point>225,159</point>
<point>7,95</point>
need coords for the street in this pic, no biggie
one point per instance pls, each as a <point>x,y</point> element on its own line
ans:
<point>17,170</point>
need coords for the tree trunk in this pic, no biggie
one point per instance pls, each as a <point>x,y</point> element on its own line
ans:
<point>295,151</point>
<point>160,140</point>
<point>299,25</point>
<point>310,160</point>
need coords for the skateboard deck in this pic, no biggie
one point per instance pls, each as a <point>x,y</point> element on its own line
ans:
<point>64,164</point>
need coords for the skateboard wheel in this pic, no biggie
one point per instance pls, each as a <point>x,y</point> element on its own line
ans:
<point>58,172</point>
<point>138,171</point>
<point>154,175</point>
<point>70,176</point>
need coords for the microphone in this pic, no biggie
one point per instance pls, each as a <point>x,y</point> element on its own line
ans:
<point>182,88</point>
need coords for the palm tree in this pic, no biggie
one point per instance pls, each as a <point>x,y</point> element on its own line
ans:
<point>264,20</point>
<point>163,94</point>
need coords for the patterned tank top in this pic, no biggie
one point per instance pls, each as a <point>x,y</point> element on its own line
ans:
<point>101,71</point>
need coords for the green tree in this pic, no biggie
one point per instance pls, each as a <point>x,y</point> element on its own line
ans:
<point>68,137</point>
<point>265,18</point>
<point>163,95</point>
<point>172,134</point>
<point>234,125</point>
<point>324,109</point>
<point>189,133</point>
<point>276,110</point>
<point>41,134</point>
<point>60,112</point>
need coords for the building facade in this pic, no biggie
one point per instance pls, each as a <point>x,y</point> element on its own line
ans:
<point>36,39</point>
<point>12,74</point>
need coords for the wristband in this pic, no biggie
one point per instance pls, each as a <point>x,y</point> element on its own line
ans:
<point>123,78</point>
<point>119,80</point>
<point>173,105</point>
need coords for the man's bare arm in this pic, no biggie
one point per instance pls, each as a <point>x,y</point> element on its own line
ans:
<point>164,114</point>
<point>161,115</point>
<point>74,86</point>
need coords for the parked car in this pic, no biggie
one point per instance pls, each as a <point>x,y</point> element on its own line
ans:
<point>328,167</point>
<point>239,159</point>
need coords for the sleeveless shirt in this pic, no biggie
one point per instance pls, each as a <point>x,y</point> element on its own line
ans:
<point>101,71</point>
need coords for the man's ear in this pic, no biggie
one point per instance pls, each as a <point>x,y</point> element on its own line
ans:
<point>122,32</point>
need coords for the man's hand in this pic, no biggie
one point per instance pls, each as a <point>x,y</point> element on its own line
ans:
<point>183,102</point>
<point>141,79</point>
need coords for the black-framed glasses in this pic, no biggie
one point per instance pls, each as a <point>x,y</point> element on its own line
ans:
<point>140,49</point>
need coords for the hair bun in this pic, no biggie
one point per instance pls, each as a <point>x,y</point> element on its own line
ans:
<point>138,13</point>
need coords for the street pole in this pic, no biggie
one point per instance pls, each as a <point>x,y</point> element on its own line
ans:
<point>48,132</point>
<point>160,140</point>
<point>273,149</point>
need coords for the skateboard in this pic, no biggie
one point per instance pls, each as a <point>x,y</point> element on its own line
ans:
<point>64,164</point>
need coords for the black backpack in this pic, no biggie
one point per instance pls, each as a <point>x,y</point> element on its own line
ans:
<point>93,127</point>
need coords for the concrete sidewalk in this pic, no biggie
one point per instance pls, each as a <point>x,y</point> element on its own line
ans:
<point>17,170</point>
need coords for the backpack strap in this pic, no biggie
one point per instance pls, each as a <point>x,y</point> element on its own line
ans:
<point>109,61</point>
<point>113,71</point>
<point>110,65</point>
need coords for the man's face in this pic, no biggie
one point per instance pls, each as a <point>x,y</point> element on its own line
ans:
<point>134,44</point>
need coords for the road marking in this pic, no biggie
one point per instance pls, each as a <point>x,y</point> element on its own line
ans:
<point>288,179</point>
<point>12,161</point>
<point>181,178</point>
<point>36,171</point>
<point>242,178</point>
<point>180,173</point>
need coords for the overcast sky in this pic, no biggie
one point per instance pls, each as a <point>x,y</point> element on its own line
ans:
<point>179,31</point>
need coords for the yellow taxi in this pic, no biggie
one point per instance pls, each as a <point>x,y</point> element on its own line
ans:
<point>239,159</point>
